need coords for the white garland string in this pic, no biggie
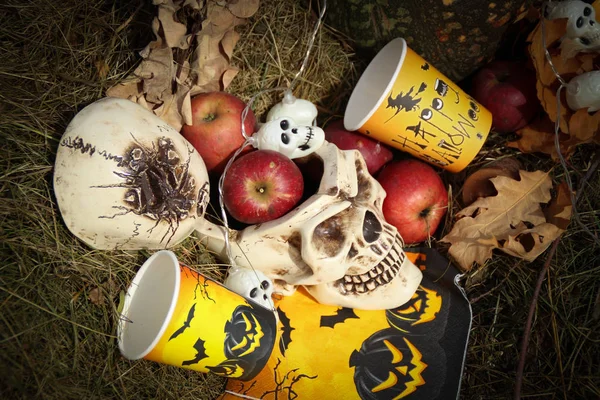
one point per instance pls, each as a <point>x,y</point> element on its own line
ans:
<point>563,84</point>
<point>248,141</point>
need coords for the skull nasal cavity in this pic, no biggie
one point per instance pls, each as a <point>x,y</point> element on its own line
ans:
<point>371,227</point>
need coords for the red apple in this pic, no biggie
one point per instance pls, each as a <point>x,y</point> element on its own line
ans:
<point>375,154</point>
<point>416,199</point>
<point>216,130</point>
<point>508,90</point>
<point>261,186</point>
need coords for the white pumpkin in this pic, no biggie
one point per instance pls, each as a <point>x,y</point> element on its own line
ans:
<point>124,179</point>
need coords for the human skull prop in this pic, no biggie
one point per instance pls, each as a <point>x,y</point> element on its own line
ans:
<point>287,137</point>
<point>337,243</point>
<point>583,91</point>
<point>252,284</point>
<point>583,31</point>
<point>124,179</point>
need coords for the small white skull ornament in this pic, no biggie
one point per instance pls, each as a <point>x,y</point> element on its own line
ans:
<point>252,284</point>
<point>583,91</point>
<point>302,111</point>
<point>583,31</point>
<point>337,243</point>
<point>287,137</point>
<point>124,179</point>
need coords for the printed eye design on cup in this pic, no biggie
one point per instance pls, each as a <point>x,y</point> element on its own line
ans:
<point>438,104</point>
<point>442,88</point>
<point>473,111</point>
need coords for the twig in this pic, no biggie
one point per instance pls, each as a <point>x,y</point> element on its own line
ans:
<point>591,170</point>
<point>527,333</point>
<point>476,299</point>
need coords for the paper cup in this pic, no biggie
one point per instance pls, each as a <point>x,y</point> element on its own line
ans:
<point>173,315</point>
<point>403,101</point>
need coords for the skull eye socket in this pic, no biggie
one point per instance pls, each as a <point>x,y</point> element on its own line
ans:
<point>264,285</point>
<point>329,236</point>
<point>579,22</point>
<point>371,227</point>
<point>285,138</point>
<point>253,292</point>
<point>285,124</point>
<point>587,11</point>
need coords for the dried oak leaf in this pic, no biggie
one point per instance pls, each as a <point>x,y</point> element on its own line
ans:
<point>168,76</point>
<point>585,128</point>
<point>96,296</point>
<point>538,137</point>
<point>174,32</point>
<point>243,8</point>
<point>512,221</point>
<point>560,208</point>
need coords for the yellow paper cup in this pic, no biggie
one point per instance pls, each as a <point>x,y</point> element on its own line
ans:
<point>403,101</point>
<point>173,315</point>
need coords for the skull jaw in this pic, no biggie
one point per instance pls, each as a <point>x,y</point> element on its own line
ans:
<point>390,295</point>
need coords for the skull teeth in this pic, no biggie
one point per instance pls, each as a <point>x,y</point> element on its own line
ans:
<point>377,276</point>
<point>361,288</point>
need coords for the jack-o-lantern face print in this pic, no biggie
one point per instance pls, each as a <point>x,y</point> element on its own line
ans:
<point>387,366</point>
<point>422,308</point>
<point>245,334</point>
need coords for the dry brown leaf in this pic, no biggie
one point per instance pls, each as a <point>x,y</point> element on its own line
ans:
<point>560,208</point>
<point>528,244</point>
<point>219,20</point>
<point>96,296</point>
<point>195,4</point>
<point>478,183</point>
<point>157,72</point>
<point>176,109</point>
<point>577,127</point>
<point>102,68</point>
<point>164,86</point>
<point>228,76</point>
<point>243,8</point>
<point>585,128</point>
<point>504,221</point>
<point>538,137</point>
<point>228,42</point>
<point>131,87</point>
<point>174,32</point>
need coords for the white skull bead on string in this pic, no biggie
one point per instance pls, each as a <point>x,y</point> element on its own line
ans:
<point>583,91</point>
<point>290,128</point>
<point>583,31</point>
<point>252,284</point>
<point>287,137</point>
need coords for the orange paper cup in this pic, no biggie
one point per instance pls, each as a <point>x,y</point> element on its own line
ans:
<point>173,315</point>
<point>403,101</point>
